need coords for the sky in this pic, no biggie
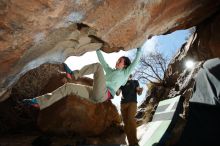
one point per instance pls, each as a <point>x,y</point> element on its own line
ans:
<point>167,44</point>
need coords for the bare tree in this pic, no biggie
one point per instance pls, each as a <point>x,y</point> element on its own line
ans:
<point>152,68</point>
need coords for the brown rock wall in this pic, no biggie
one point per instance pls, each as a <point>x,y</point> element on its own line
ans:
<point>34,32</point>
<point>77,116</point>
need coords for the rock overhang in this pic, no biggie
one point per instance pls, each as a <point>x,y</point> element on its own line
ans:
<point>37,32</point>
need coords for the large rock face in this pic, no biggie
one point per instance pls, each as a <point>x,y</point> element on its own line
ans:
<point>77,116</point>
<point>203,44</point>
<point>39,31</point>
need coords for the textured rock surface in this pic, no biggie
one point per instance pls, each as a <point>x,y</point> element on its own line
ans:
<point>203,45</point>
<point>76,116</point>
<point>112,135</point>
<point>33,32</point>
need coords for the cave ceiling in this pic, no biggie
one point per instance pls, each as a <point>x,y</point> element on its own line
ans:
<point>34,32</point>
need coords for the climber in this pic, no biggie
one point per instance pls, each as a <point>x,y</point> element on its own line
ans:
<point>104,85</point>
<point>129,108</point>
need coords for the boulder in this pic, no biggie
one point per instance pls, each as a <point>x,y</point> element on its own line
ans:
<point>74,115</point>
